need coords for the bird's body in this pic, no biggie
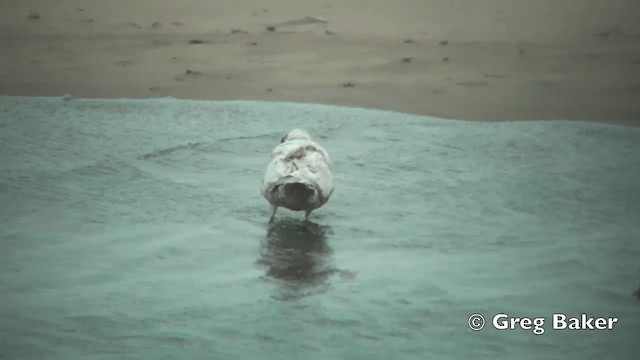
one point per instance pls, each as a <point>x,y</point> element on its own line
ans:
<point>299,175</point>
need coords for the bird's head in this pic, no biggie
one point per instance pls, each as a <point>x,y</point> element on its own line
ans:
<point>296,134</point>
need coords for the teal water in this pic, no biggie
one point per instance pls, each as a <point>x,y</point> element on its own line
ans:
<point>134,229</point>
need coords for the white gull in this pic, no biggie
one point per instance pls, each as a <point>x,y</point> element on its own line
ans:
<point>299,175</point>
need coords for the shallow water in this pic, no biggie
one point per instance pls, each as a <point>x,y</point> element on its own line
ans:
<point>134,229</point>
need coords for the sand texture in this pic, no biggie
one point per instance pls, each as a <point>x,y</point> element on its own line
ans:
<point>475,60</point>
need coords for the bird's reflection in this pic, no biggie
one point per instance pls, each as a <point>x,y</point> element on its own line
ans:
<point>296,254</point>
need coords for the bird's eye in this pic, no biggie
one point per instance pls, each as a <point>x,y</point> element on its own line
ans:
<point>284,138</point>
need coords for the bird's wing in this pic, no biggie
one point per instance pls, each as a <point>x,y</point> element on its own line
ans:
<point>315,167</point>
<point>301,161</point>
<point>278,168</point>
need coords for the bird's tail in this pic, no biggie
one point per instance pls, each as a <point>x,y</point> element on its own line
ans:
<point>299,190</point>
<point>297,194</point>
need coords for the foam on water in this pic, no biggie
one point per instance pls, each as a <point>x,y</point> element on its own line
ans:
<point>135,229</point>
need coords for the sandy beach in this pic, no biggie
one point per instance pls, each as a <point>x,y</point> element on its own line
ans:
<point>484,60</point>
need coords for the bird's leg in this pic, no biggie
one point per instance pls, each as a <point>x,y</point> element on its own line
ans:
<point>273,213</point>
<point>306,215</point>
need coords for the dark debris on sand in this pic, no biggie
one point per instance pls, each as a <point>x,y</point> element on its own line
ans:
<point>134,25</point>
<point>197,41</point>
<point>348,84</point>
<point>33,15</point>
<point>605,34</point>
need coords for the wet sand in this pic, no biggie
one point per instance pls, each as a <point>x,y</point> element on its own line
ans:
<point>483,60</point>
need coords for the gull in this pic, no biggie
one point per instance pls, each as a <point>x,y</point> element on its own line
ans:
<point>299,175</point>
